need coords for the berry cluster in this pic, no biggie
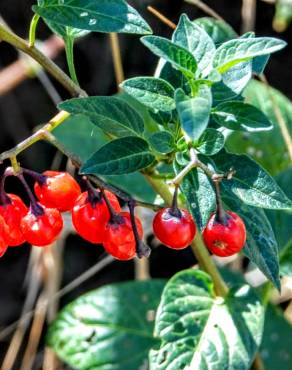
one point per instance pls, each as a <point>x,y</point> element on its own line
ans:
<point>98,218</point>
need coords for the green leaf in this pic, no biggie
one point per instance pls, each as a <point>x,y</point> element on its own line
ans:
<point>194,113</point>
<point>199,193</point>
<point>121,156</point>
<point>162,142</point>
<point>155,93</point>
<point>173,76</point>
<point>111,114</point>
<point>178,56</point>
<point>238,76</point>
<point>196,40</point>
<point>92,15</point>
<point>275,349</point>
<point>237,115</point>
<point>199,331</point>
<point>251,183</point>
<point>217,29</point>
<point>267,147</point>
<point>235,51</point>
<point>211,142</point>
<point>261,246</point>
<point>108,328</point>
<point>222,93</point>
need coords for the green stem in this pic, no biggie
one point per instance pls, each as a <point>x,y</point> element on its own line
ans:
<point>32,30</point>
<point>69,49</point>
<point>14,40</point>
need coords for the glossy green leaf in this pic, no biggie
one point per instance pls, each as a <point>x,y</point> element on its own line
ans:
<point>108,328</point>
<point>162,142</point>
<point>275,349</point>
<point>178,56</point>
<point>194,113</point>
<point>237,115</point>
<point>92,15</point>
<point>238,76</point>
<point>222,93</point>
<point>217,29</point>
<point>251,183</point>
<point>155,93</point>
<point>267,148</point>
<point>196,40</point>
<point>211,142</point>
<point>173,76</point>
<point>120,156</point>
<point>199,331</point>
<point>111,114</point>
<point>235,51</point>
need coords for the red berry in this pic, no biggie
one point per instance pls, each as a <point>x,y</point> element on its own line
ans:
<point>12,214</point>
<point>3,234</point>
<point>176,232</point>
<point>119,237</point>
<point>90,217</point>
<point>225,239</point>
<point>42,230</point>
<point>59,190</point>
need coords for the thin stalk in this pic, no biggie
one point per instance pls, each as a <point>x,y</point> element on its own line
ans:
<point>161,17</point>
<point>32,30</point>
<point>117,59</point>
<point>69,49</point>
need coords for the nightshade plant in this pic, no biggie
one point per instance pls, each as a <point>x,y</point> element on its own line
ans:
<point>169,130</point>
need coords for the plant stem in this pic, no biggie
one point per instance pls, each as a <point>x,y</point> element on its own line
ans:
<point>161,17</point>
<point>32,30</point>
<point>14,40</point>
<point>205,8</point>
<point>117,59</point>
<point>69,49</point>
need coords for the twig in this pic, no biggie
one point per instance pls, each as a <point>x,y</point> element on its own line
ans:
<point>248,13</point>
<point>205,8</point>
<point>161,17</point>
<point>117,59</point>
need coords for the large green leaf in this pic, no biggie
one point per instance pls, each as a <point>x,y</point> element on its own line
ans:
<point>155,93</point>
<point>276,346</point>
<point>235,51</point>
<point>120,156</point>
<point>196,40</point>
<point>268,147</point>
<point>237,115</point>
<point>178,56</point>
<point>217,29</point>
<point>251,183</point>
<point>92,15</point>
<point>194,113</point>
<point>113,115</point>
<point>199,331</point>
<point>109,328</point>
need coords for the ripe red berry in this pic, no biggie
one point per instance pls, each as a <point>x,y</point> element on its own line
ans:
<point>225,239</point>
<point>41,230</point>
<point>59,190</point>
<point>175,231</point>
<point>119,237</point>
<point>89,217</point>
<point>3,234</point>
<point>12,214</point>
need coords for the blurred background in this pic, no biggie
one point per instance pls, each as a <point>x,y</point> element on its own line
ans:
<point>33,101</point>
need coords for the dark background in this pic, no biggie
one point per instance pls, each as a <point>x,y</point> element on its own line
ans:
<point>29,105</point>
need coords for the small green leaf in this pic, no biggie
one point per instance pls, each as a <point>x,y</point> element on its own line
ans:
<point>178,56</point>
<point>218,30</point>
<point>162,142</point>
<point>211,142</point>
<point>235,51</point>
<point>196,40</point>
<point>92,15</point>
<point>194,113</point>
<point>121,156</point>
<point>108,328</point>
<point>222,93</point>
<point>113,115</point>
<point>199,331</point>
<point>240,116</point>
<point>173,76</point>
<point>155,93</point>
<point>251,183</point>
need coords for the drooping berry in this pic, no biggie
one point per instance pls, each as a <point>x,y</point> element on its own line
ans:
<point>91,214</point>
<point>3,234</point>
<point>174,229</point>
<point>119,237</point>
<point>42,228</point>
<point>225,238</point>
<point>12,211</point>
<point>57,190</point>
